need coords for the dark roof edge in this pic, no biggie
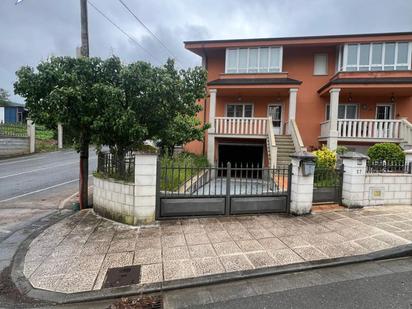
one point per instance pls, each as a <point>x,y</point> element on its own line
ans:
<point>367,80</point>
<point>300,37</point>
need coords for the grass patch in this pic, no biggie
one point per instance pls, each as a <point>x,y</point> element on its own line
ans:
<point>45,145</point>
<point>44,134</point>
<point>185,165</point>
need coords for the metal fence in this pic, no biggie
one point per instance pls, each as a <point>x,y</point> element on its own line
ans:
<point>223,180</point>
<point>389,167</point>
<point>109,165</point>
<point>13,129</point>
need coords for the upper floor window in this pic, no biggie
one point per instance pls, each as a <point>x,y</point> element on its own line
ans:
<point>254,60</point>
<point>385,56</point>
<point>239,110</point>
<point>320,66</point>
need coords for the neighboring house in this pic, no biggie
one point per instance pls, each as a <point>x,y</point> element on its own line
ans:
<point>270,97</point>
<point>12,112</point>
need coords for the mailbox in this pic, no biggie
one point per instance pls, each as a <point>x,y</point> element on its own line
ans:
<point>308,167</point>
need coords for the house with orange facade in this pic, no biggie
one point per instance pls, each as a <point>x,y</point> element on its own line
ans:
<point>268,98</point>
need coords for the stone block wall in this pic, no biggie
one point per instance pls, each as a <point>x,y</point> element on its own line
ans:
<point>114,199</point>
<point>13,146</point>
<point>387,189</point>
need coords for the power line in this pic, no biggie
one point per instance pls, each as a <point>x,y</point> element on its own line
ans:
<point>148,30</point>
<point>123,31</point>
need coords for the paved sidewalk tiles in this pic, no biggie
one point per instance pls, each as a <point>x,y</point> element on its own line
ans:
<point>75,254</point>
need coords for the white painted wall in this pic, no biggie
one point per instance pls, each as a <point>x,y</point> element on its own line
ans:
<point>2,115</point>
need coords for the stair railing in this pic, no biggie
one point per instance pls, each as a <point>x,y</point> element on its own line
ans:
<point>271,144</point>
<point>297,139</point>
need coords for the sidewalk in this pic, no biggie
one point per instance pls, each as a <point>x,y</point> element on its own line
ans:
<point>74,254</point>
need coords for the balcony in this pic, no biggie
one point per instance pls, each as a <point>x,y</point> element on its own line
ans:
<point>256,127</point>
<point>369,130</point>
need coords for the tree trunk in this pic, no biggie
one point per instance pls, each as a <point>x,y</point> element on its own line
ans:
<point>84,174</point>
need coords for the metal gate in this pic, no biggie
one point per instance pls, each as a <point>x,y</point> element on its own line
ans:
<point>327,185</point>
<point>221,190</point>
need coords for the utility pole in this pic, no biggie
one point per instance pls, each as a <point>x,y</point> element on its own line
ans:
<point>84,140</point>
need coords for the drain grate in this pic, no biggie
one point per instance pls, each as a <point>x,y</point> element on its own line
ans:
<point>121,276</point>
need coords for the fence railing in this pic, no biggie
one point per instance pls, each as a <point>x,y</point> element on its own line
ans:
<point>327,177</point>
<point>13,129</point>
<point>243,126</point>
<point>400,167</point>
<point>222,180</point>
<point>109,165</point>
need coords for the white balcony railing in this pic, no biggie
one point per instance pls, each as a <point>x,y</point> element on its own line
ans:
<point>241,126</point>
<point>365,129</point>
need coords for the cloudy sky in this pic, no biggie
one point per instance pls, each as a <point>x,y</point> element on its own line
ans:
<point>36,29</point>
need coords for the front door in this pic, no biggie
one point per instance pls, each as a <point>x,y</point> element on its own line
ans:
<point>383,112</point>
<point>275,111</point>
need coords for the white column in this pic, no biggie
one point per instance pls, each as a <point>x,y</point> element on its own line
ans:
<point>211,136</point>
<point>301,198</point>
<point>293,93</point>
<point>212,110</point>
<point>353,187</point>
<point>333,119</point>
<point>31,132</point>
<point>59,136</point>
<point>145,176</point>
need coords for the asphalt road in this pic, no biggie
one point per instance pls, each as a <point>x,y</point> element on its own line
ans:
<point>31,186</point>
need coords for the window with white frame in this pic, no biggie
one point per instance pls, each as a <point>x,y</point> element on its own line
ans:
<point>320,66</point>
<point>254,60</point>
<point>345,111</point>
<point>239,110</point>
<point>383,56</point>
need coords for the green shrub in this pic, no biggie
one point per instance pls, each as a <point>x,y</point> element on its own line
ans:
<point>386,151</point>
<point>325,157</point>
<point>340,150</point>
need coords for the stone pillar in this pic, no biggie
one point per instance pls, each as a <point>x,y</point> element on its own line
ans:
<point>332,140</point>
<point>302,186</point>
<point>293,93</point>
<point>353,187</point>
<point>31,132</point>
<point>59,136</point>
<point>408,159</point>
<point>211,131</point>
<point>145,175</point>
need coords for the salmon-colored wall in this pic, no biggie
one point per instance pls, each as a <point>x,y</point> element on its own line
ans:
<point>298,62</point>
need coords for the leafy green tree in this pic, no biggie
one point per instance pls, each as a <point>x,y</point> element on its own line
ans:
<point>4,95</point>
<point>67,90</point>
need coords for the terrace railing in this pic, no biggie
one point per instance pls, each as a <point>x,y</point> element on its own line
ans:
<point>241,126</point>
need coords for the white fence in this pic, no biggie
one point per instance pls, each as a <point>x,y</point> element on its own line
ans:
<point>241,126</point>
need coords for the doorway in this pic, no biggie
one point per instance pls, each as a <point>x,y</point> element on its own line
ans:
<point>275,111</point>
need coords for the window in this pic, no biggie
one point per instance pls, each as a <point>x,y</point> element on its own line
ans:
<point>239,110</point>
<point>320,64</point>
<point>389,56</point>
<point>254,60</point>
<point>345,111</point>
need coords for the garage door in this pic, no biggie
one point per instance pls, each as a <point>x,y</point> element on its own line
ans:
<point>240,155</point>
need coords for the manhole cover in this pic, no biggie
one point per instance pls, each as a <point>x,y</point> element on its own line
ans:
<point>121,276</point>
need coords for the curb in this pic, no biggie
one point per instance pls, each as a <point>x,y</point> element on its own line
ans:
<point>25,287</point>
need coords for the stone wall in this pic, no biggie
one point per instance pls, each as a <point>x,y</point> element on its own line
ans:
<point>13,146</point>
<point>114,199</point>
<point>388,189</point>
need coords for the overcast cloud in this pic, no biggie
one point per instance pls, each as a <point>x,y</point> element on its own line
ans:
<point>36,29</point>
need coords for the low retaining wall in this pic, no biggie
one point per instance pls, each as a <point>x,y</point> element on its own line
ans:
<point>13,146</point>
<point>361,188</point>
<point>114,199</point>
<point>388,189</point>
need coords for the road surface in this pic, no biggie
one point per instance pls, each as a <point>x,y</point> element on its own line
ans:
<point>34,185</point>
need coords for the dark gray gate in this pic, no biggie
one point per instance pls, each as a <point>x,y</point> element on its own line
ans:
<point>224,190</point>
<point>327,185</point>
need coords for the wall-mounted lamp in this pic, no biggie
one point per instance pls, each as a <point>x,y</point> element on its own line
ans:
<point>239,98</point>
<point>308,167</point>
<point>392,98</point>
<point>350,97</point>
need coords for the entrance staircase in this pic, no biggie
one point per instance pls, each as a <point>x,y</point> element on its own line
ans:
<point>285,148</point>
